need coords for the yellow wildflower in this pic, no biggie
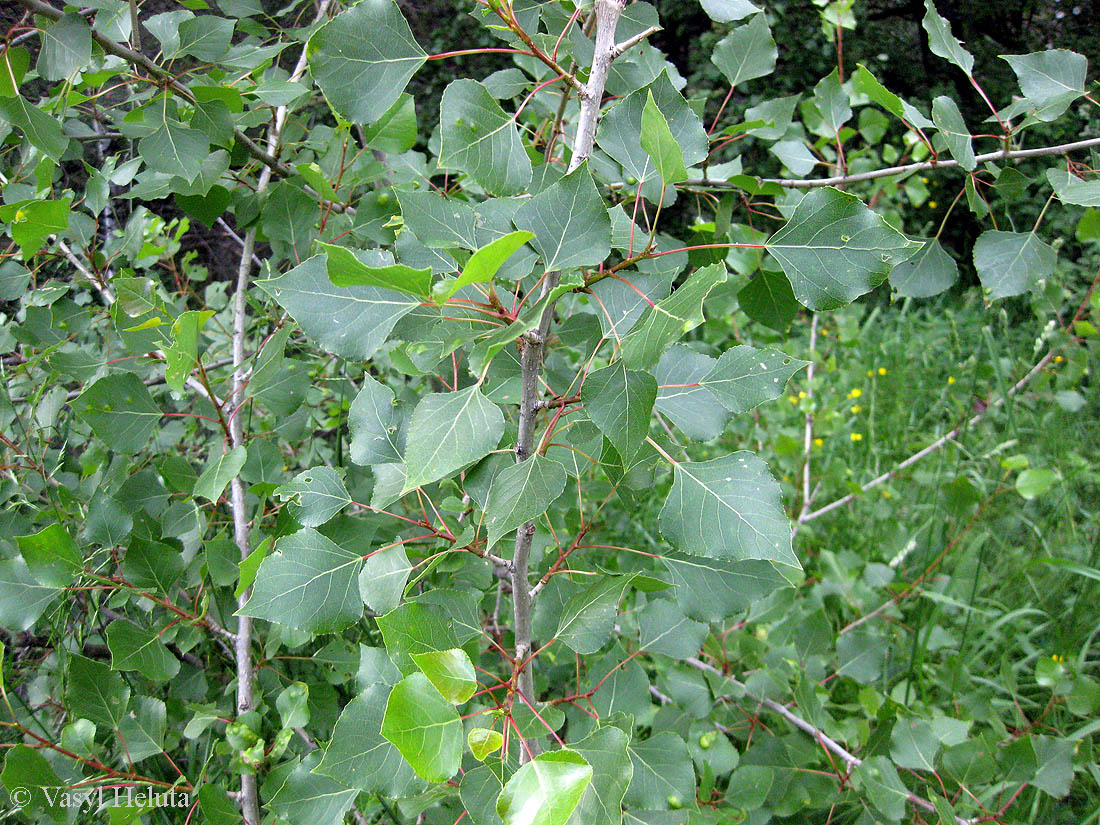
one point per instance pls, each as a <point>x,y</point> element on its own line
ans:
<point>856,409</point>
<point>924,180</point>
<point>793,399</point>
<point>855,393</point>
<point>950,379</point>
<point>857,436</point>
<point>802,394</point>
<point>932,204</point>
<point>882,370</point>
<point>870,373</point>
<point>1058,359</point>
<point>887,494</point>
<point>820,442</point>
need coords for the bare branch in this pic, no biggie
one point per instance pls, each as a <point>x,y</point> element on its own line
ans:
<point>250,800</point>
<point>1015,154</point>
<point>631,42</point>
<point>607,20</point>
<point>850,759</point>
<point>931,448</point>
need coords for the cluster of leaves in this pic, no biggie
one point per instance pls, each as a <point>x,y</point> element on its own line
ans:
<point>414,508</point>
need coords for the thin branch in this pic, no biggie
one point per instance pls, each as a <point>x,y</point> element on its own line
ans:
<point>631,42</point>
<point>850,759</point>
<point>840,180</point>
<point>931,448</point>
<point>109,298</point>
<point>607,20</point>
<point>250,799</point>
<point>807,440</point>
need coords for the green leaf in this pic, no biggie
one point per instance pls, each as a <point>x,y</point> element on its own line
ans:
<point>483,265</point>
<point>174,149</point>
<point>438,222</point>
<point>620,401</point>
<point>1070,189</point>
<point>769,300</point>
<point>621,134</point>
<point>834,249</point>
<point>295,793</point>
<point>26,769</point>
<point>666,630</point>
<point>478,138</point>
<point>315,496</point>
<point>43,131</point>
<point>727,508</point>
<point>414,627</point>
<point>663,773</point>
<point>660,145</point>
<point>588,618</point>
<point>520,493</point>
<point>669,319</point>
<point>206,37</point>
<point>345,269</point>
<point>1053,76</point>
<point>94,693</point>
<point>351,322</point>
<point>745,377</point>
<point>1031,484</point>
<point>183,355</point>
<point>831,100</point>
<point>1054,757</point>
<point>681,397</point>
<point>30,223</point>
<point>13,68</point>
<point>931,271</point>
<point>747,52</point>
<point>363,58</point>
<point>66,48</point>
<point>886,791</point>
<point>22,598</point>
<point>450,671</point>
<point>52,556</point>
<point>949,120</point>
<point>569,221</point>
<point>120,412</point>
<point>1011,263</point>
<point>483,742</point>
<point>728,11</point>
<point>860,655</point>
<point>942,42</point>
<point>424,727</point>
<point>373,422</point>
<point>395,131</point>
<point>358,755</point>
<point>710,590</point>
<point>546,790</point>
<point>383,578</point>
<point>308,583</point>
<point>914,745</point>
<point>606,751</point>
<point>135,648</point>
<point>866,83</point>
<point>219,471</point>
<point>293,705</point>
<point>449,431</point>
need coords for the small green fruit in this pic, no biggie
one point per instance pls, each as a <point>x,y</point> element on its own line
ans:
<point>674,802</point>
<point>383,198</point>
